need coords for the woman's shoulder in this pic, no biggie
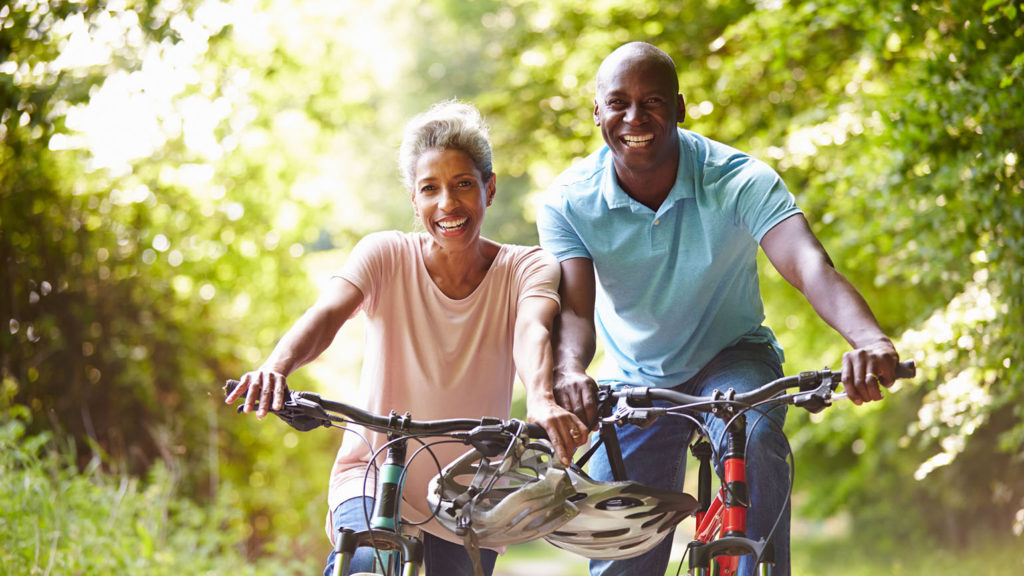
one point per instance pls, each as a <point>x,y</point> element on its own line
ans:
<point>390,240</point>
<point>519,256</point>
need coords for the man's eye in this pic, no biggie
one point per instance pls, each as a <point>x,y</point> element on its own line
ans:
<point>428,188</point>
<point>465,183</point>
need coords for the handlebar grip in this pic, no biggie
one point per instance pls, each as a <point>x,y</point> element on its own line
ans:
<point>536,431</point>
<point>906,369</point>
<point>230,386</point>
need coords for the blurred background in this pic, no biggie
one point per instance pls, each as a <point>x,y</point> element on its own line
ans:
<point>178,177</point>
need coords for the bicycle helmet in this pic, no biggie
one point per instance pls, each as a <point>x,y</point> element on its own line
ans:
<point>513,499</point>
<point>619,520</point>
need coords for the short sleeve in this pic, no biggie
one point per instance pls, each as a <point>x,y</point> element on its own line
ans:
<point>757,194</point>
<point>557,234</point>
<point>368,264</point>
<point>537,274</point>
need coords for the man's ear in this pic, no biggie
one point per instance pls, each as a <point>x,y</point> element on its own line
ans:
<point>597,115</point>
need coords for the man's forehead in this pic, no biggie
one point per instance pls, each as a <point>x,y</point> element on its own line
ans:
<point>650,71</point>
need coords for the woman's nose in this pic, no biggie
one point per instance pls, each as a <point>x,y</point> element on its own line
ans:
<point>447,199</point>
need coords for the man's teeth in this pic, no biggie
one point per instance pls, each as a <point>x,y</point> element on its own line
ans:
<point>637,140</point>
<point>449,225</point>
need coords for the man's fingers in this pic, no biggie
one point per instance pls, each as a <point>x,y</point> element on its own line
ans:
<point>589,400</point>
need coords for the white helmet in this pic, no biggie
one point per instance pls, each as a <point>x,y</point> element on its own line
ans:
<point>529,494</point>
<point>520,497</point>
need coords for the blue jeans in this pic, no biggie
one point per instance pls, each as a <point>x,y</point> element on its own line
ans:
<point>440,557</point>
<point>656,456</point>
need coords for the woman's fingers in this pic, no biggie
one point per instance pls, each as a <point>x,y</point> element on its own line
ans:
<point>264,391</point>
<point>566,433</point>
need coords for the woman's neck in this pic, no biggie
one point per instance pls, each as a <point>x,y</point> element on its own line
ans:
<point>458,273</point>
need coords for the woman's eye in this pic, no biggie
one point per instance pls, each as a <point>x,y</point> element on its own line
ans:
<point>465,183</point>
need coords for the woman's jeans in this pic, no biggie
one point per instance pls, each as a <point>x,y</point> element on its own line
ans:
<point>656,456</point>
<point>440,557</point>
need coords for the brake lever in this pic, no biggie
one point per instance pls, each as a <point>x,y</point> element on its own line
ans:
<point>299,412</point>
<point>815,400</point>
<point>625,413</point>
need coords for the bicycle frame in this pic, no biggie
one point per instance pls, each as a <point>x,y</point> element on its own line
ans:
<point>721,523</point>
<point>384,534</point>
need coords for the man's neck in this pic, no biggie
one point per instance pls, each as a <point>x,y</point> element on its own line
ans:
<point>648,188</point>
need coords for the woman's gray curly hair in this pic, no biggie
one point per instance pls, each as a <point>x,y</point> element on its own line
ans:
<point>448,125</point>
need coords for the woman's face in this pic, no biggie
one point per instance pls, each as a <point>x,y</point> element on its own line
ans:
<point>450,196</point>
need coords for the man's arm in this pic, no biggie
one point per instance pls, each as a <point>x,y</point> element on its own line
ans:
<point>797,254</point>
<point>531,349</point>
<point>304,342</point>
<point>576,340</point>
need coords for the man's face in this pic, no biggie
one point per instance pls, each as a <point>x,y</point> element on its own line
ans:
<point>637,108</point>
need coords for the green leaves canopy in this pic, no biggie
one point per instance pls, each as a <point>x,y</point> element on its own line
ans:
<point>132,287</point>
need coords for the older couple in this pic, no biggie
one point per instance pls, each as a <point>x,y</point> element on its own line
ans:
<point>650,242</point>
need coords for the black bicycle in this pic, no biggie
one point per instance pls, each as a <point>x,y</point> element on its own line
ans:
<point>498,447</point>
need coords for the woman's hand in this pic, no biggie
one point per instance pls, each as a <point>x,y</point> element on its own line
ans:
<point>258,385</point>
<point>565,431</point>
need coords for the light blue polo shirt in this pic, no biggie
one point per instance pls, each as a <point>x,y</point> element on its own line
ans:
<point>675,286</point>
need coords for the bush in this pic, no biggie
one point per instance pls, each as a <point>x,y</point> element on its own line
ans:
<point>57,520</point>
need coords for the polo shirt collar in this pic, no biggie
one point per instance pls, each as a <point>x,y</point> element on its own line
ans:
<point>615,197</point>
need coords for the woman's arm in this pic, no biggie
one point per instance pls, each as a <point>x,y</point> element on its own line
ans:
<point>531,349</point>
<point>797,254</point>
<point>304,342</point>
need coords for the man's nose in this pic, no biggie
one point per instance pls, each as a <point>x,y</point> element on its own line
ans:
<point>634,113</point>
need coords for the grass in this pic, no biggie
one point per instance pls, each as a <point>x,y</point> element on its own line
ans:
<point>1000,555</point>
<point>55,519</point>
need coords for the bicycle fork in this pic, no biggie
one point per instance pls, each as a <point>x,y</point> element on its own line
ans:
<point>721,536</point>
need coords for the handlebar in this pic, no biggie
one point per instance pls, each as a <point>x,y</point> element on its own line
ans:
<point>816,389</point>
<point>305,411</point>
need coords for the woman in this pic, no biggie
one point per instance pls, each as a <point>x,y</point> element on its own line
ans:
<point>451,316</point>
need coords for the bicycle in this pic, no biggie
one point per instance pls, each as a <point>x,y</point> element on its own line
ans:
<point>519,492</point>
<point>720,532</point>
<point>508,489</point>
<point>396,553</point>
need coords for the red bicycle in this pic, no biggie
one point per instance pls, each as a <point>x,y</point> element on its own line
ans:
<point>720,536</point>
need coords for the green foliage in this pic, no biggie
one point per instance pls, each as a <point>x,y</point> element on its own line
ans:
<point>56,519</point>
<point>133,285</point>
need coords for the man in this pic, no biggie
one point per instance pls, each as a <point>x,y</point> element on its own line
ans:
<point>659,232</point>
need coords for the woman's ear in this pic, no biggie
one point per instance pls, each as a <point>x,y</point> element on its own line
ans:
<point>492,188</point>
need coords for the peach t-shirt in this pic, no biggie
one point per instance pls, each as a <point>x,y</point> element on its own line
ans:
<point>430,355</point>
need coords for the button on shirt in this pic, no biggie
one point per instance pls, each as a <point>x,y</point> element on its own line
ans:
<point>676,285</point>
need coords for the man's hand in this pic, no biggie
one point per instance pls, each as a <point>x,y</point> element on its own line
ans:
<point>577,393</point>
<point>565,431</point>
<point>867,369</point>
<point>258,385</point>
